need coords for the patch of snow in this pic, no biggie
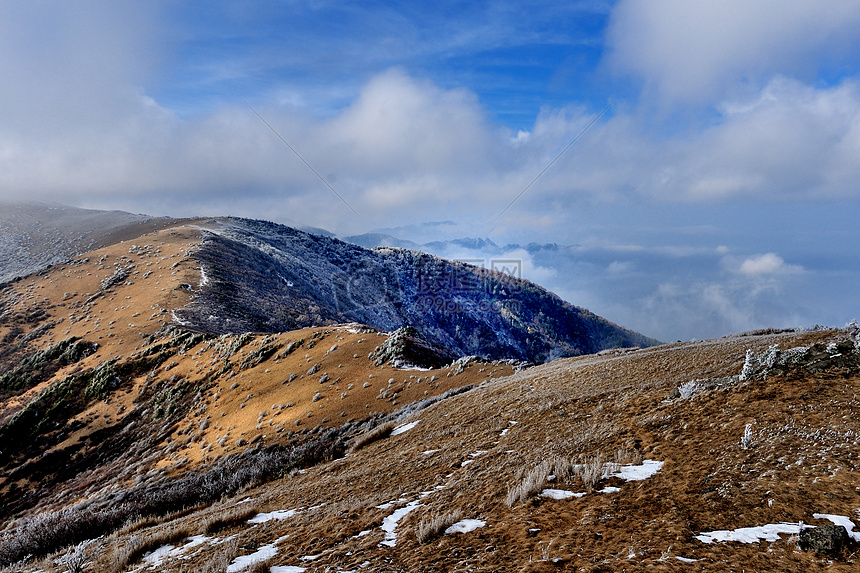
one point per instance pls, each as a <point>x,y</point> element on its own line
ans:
<point>638,473</point>
<point>769,532</point>
<point>474,455</point>
<point>685,559</point>
<point>428,452</point>
<point>159,555</point>
<point>389,524</point>
<point>287,569</point>
<point>610,489</point>
<point>278,514</point>
<point>391,504</point>
<point>840,520</point>
<point>194,542</point>
<point>178,320</point>
<point>404,428</point>
<point>560,494</point>
<point>465,526</point>
<point>403,365</point>
<point>310,557</point>
<point>246,561</point>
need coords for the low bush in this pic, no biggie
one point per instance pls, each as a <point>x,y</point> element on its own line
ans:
<point>45,533</point>
<point>379,432</point>
<point>432,526</point>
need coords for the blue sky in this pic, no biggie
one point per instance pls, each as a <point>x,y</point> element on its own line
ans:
<point>719,193</point>
<point>515,58</point>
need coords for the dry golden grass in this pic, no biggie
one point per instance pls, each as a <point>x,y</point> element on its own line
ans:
<point>379,432</point>
<point>432,526</point>
<point>573,417</point>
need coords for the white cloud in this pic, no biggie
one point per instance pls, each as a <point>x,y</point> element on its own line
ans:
<point>404,150</point>
<point>707,308</point>
<point>767,264</point>
<point>788,141</point>
<point>700,51</point>
<point>73,64</point>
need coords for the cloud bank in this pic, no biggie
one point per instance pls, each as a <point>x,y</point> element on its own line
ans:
<point>740,111</point>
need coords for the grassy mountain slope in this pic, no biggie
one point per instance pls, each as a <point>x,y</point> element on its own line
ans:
<point>96,379</point>
<point>761,438</point>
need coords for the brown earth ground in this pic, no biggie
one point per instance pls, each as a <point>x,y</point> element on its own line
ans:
<point>465,455</point>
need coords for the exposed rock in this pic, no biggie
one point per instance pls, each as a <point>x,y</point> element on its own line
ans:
<point>828,539</point>
<point>406,347</point>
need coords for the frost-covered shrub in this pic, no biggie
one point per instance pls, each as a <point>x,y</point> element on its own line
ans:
<point>750,364</point>
<point>853,330</point>
<point>459,365</point>
<point>533,481</point>
<point>45,533</point>
<point>530,484</point>
<point>770,356</point>
<point>594,470</point>
<point>772,359</point>
<point>793,355</point>
<point>408,409</point>
<point>119,275</point>
<point>221,559</point>
<point>690,389</point>
<point>748,440</point>
<point>76,559</point>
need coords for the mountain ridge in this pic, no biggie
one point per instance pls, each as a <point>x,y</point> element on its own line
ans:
<point>270,277</point>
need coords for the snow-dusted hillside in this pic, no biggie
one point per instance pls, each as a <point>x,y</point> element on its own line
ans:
<point>35,235</point>
<point>261,276</point>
